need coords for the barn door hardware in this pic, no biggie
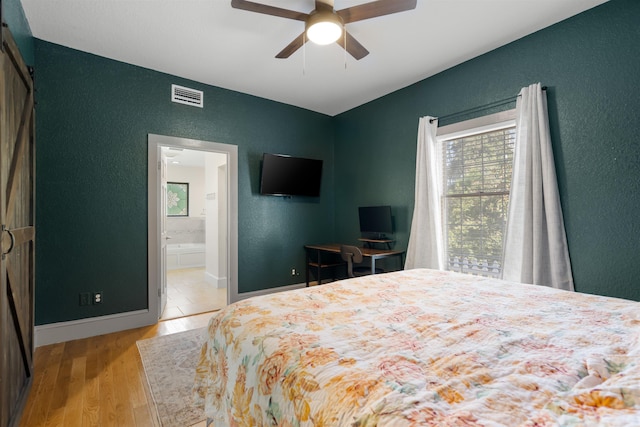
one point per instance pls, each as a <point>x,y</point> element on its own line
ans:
<point>13,241</point>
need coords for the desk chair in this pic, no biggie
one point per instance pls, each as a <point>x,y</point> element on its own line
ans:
<point>353,255</point>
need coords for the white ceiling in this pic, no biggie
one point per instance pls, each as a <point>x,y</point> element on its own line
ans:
<point>184,157</point>
<point>209,42</point>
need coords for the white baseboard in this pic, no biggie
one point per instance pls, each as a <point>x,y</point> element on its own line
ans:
<point>83,328</point>
<point>218,282</point>
<point>246,295</point>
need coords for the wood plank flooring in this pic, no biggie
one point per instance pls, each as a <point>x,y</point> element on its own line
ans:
<point>97,381</point>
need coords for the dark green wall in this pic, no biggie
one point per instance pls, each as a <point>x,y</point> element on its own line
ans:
<point>591,64</point>
<point>93,117</point>
<point>13,15</point>
<point>94,114</point>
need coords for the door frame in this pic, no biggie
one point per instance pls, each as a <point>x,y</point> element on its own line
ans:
<point>155,142</point>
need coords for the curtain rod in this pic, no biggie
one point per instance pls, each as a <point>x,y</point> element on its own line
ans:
<point>481,107</point>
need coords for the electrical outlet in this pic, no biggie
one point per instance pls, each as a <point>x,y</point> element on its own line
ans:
<point>97,297</point>
<point>85,298</point>
<point>294,272</point>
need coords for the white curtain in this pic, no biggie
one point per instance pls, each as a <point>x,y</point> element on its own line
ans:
<point>425,248</point>
<point>535,243</point>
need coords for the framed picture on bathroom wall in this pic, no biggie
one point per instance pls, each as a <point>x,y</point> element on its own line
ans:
<point>177,199</point>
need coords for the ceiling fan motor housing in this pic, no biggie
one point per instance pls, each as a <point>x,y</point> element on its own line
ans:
<point>324,26</point>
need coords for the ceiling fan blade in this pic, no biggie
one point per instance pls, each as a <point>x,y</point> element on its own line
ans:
<point>268,10</point>
<point>296,44</point>
<point>374,9</point>
<point>353,46</point>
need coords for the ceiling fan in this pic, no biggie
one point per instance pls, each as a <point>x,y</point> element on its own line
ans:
<point>325,25</point>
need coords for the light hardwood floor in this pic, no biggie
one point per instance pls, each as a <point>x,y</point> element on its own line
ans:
<point>97,381</point>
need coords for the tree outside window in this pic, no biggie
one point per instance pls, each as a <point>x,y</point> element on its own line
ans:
<point>477,177</point>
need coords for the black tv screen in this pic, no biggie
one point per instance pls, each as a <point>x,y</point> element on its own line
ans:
<point>290,176</point>
<point>375,220</point>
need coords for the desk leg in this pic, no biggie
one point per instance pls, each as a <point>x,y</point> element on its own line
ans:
<point>319,267</point>
<point>373,265</point>
<point>307,265</point>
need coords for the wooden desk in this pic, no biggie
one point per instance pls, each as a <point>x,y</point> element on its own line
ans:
<point>371,243</point>
<point>327,256</point>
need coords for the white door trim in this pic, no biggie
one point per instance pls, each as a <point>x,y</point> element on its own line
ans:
<point>231,151</point>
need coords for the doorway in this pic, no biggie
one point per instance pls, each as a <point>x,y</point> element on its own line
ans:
<point>196,233</point>
<point>192,226</point>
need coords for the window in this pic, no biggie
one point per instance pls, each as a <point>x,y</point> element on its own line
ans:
<point>477,158</point>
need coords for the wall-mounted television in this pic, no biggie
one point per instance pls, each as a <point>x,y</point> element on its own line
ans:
<point>283,175</point>
<point>375,220</point>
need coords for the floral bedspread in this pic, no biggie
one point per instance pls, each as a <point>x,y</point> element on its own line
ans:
<point>423,348</point>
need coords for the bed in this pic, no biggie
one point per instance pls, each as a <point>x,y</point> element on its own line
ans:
<point>422,348</point>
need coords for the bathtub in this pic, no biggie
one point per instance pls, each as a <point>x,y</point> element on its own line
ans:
<point>185,255</point>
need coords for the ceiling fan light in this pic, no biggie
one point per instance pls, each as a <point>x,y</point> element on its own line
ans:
<point>324,27</point>
<point>324,32</point>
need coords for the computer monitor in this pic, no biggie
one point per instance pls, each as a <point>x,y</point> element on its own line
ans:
<point>375,221</point>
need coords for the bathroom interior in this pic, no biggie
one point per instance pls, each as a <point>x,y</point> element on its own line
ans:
<point>196,232</point>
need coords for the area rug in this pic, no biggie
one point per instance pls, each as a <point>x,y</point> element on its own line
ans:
<point>169,363</point>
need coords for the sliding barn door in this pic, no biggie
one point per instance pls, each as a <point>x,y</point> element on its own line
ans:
<point>17,183</point>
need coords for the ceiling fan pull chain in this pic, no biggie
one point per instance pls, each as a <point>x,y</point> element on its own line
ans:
<point>344,34</point>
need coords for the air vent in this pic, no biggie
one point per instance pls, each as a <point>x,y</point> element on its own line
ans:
<point>184,95</point>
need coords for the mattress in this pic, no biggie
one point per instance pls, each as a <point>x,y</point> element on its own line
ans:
<point>422,348</point>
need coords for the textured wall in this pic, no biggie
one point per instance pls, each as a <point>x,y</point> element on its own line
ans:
<point>590,64</point>
<point>93,117</point>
